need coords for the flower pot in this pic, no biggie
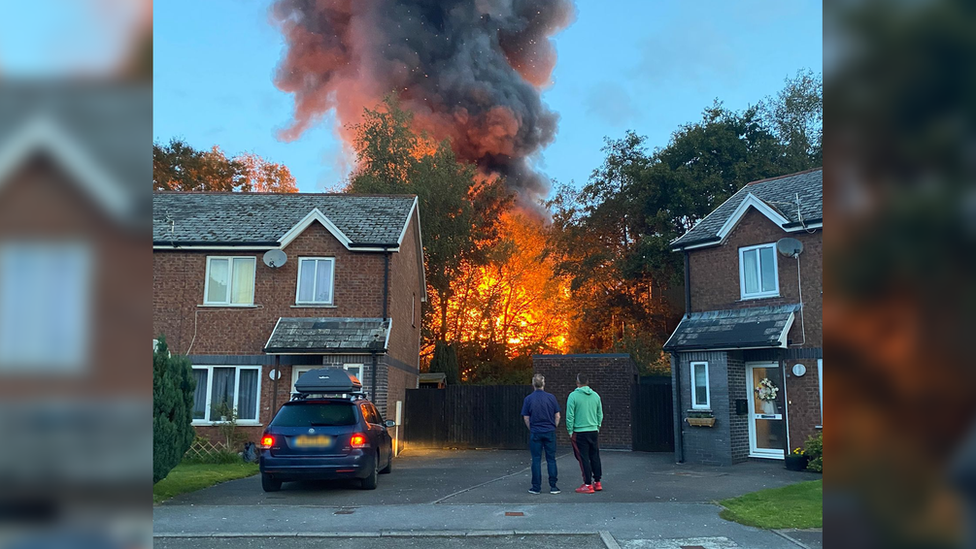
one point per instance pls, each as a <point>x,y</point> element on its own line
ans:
<point>701,421</point>
<point>796,463</point>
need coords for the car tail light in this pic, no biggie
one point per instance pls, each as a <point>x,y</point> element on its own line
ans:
<point>357,441</point>
<point>267,441</point>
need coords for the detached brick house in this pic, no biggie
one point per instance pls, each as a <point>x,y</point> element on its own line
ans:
<point>347,294</point>
<point>748,325</point>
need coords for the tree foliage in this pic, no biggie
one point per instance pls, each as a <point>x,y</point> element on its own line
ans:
<point>445,360</point>
<point>177,166</point>
<point>173,387</point>
<point>795,116</point>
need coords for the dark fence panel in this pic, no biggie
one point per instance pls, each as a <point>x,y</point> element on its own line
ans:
<point>466,416</point>
<point>652,425</point>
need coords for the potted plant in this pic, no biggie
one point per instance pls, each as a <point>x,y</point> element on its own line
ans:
<point>796,460</point>
<point>700,419</point>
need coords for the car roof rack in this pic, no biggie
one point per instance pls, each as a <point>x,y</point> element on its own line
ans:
<point>349,396</point>
<point>328,383</point>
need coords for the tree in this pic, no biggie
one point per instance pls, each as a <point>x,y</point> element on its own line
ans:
<point>795,116</point>
<point>445,360</point>
<point>179,167</point>
<point>459,211</point>
<point>173,389</point>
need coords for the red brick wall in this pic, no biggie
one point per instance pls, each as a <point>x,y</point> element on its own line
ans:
<point>405,292</point>
<point>803,394</point>
<point>611,376</point>
<point>715,275</point>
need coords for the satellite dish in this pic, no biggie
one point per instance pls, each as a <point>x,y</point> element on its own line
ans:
<point>789,247</point>
<point>275,258</point>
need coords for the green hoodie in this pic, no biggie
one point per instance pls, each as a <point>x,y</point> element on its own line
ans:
<point>584,411</point>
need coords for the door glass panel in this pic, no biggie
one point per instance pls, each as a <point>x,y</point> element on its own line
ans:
<point>768,406</point>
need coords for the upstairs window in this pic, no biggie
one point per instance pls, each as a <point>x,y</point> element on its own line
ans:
<point>757,271</point>
<point>230,281</point>
<point>315,278</point>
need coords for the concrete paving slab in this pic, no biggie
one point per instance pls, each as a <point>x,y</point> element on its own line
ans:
<point>806,539</point>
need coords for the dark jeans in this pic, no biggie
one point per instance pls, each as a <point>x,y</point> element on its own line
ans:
<point>587,449</point>
<point>537,443</point>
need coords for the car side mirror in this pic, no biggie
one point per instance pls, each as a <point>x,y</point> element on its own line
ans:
<point>389,423</point>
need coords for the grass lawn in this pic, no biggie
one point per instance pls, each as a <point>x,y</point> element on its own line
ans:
<point>187,477</point>
<point>795,506</point>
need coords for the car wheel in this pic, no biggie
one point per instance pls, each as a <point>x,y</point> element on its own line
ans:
<point>269,483</point>
<point>389,466</point>
<point>369,483</point>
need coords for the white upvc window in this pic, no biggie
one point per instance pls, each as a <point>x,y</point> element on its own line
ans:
<point>700,398</point>
<point>237,386</point>
<point>315,280</point>
<point>758,271</point>
<point>230,281</point>
<point>356,370</point>
<point>46,312</point>
<point>820,379</point>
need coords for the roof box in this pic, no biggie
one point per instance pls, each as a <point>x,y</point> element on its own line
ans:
<point>327,381</point>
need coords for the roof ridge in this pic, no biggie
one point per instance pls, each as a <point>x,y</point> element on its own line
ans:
<point>782,176</point>
<point>268,193</point>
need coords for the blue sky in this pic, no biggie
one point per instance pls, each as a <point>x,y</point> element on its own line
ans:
<point>626,64</point>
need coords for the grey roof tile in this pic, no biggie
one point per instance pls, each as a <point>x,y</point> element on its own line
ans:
<point>755,327</point>
<point>780,193</point>
<point>260,218</point>
<point>328,334</point>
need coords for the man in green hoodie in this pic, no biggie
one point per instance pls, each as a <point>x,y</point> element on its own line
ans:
<point>584,417</point>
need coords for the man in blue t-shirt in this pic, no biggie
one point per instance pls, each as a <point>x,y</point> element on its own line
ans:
<point>541,414</point>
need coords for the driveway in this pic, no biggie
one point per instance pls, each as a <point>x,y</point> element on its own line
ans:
<point>647,499</point>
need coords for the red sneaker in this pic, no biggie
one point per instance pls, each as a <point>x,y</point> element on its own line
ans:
<point>585,489</point>
<point>597,486</point>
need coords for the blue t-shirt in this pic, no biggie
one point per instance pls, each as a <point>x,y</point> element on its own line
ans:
<point>541,407</point>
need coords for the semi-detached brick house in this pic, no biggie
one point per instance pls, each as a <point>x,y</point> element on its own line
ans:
<point>349,293</point>
<point>748,324</point>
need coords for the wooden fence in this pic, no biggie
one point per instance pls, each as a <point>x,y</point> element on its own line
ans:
<point>466,416</point>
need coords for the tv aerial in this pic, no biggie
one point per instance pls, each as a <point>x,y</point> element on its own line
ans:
<point>789,247</point>
<point>275,258</point>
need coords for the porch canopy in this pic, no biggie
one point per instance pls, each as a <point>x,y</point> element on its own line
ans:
<point>755,328</point>
<point>313,336</point>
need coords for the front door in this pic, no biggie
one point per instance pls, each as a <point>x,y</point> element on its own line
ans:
<point>767,406</point>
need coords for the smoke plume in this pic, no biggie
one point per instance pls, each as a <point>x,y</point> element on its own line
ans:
<point>470,70</point>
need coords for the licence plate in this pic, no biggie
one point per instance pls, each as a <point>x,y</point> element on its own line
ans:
<point>305,441</point>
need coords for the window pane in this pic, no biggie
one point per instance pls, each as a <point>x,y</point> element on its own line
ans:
<point>223,391</point>
<point>323,284</point>
<point>247,402</point>
<point>750,271</point>
<point>200,396</point>
<point>217,291</point>
<point>701,385</point>
<point>768,263</point>
<point>243,286</point>
<point>314,415</point>
<point>306,278</point>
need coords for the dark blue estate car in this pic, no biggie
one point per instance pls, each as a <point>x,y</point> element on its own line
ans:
<point>321,438</point>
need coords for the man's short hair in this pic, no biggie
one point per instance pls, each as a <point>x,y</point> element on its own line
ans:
<point>538,381</point>
<point>582,379</point>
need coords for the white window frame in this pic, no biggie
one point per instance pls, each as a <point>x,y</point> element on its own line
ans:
<point>820,380</point>
<point>359,374</point>
<point>207,420</point>
<point>708,389</point>
<point>315,279</point>
<point>742,272</point>
<point>230,281</point>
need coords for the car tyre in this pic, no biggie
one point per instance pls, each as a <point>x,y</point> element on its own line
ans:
<point>389,466</point>
<point>369,483</point>
<point>269,483</point>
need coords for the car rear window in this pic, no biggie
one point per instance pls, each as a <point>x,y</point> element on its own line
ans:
<point>315,414</point>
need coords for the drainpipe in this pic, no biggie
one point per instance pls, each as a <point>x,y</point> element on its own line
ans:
<point>679,451</point>
<point>687,283</point>
<point>386,299</point>
<point>372,393</point>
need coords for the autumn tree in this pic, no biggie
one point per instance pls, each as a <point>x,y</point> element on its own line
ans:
<point>177,166</point>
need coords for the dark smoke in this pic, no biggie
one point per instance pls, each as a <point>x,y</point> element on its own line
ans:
<point>470,70</point>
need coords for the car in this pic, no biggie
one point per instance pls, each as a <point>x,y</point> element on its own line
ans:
<point>328,431</point>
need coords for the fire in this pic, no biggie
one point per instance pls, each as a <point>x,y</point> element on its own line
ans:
<point>516,300</point>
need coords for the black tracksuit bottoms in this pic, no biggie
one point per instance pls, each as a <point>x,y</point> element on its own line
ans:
<point>587,449</point>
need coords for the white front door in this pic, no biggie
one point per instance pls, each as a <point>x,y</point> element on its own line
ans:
<point>767,405</point>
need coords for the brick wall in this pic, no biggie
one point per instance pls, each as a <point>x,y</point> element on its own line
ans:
<point>611,376</point>
<point>707,445</point>
<point>715,275</point>
<point>803,395</point>
<point>405,297</point>
<point>738,424</point>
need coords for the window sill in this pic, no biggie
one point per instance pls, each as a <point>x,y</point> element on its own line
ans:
<point>225,306</point>
<point>299,306</point>
<point>761,296</point>
<point>818,427</point>
<point>200,423</point>
<point>698,410</point>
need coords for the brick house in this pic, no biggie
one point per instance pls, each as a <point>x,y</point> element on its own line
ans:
<point>748,324</point>
<point>348,293</point>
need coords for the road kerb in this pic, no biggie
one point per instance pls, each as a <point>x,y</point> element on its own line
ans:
<point>608,540</point>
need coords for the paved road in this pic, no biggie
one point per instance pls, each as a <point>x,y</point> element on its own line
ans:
<point>501,542</point>
<point>648,501</point>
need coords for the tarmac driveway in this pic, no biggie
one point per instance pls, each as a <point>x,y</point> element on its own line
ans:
<point>502,476</point>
